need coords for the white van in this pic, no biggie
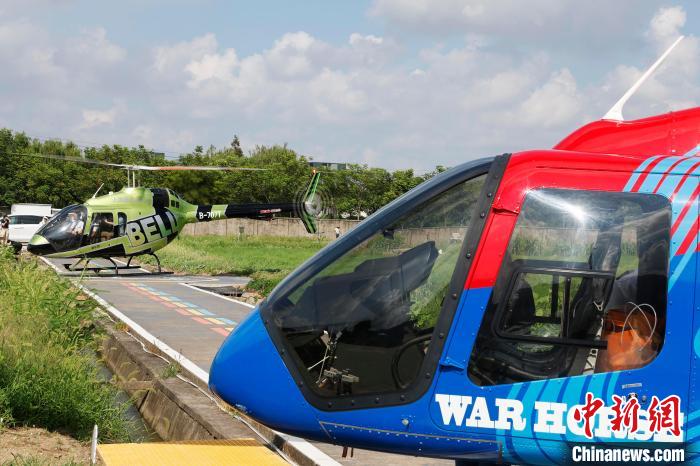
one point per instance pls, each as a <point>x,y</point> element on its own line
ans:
<point>25,220</point>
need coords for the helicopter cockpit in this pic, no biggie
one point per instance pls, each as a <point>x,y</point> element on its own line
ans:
<point>360,319</point>
<point>65,230</point>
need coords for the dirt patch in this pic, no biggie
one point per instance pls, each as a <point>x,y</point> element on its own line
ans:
<point>42,446</point>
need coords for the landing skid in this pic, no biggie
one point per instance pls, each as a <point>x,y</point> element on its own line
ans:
<point>76,267</point>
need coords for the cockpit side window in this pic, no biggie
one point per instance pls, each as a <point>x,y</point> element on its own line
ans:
<point>65,230</point>
<point>364,323</point>
<point>582,288</point>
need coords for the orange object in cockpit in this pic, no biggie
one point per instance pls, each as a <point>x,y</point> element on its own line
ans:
<point>633,339</point>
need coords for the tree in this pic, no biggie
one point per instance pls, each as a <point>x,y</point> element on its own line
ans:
<point>25,178</point>
<point>236,146</point>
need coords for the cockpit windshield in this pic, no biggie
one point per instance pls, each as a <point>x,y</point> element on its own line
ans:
<point>363,322</point>
<point>65,230</point>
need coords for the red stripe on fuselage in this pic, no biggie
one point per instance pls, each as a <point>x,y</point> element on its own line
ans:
<point>643,176</point>
<point>668,172</point>
<point>686,207</point>
<point>688,239</point>
<point>685,177</point>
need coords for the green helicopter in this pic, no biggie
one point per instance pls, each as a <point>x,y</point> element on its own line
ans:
<point>137,220</point>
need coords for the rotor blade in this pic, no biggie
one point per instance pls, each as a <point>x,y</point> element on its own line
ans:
<point>69,158</point>
<point>192,167</point>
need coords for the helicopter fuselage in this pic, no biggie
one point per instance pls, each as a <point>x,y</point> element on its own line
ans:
<point>130,222</point>
<point>137,221</point>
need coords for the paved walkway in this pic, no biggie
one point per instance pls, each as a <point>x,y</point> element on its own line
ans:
<point>183,313</point>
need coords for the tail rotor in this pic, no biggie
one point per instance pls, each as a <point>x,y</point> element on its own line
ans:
<point>310,205</point>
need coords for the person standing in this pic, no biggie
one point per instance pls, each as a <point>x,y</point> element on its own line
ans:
<point>337,232</point>
<point>4,229</point>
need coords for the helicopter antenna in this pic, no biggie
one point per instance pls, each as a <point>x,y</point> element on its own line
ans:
<point>98,190</point>
<point>615,112</point>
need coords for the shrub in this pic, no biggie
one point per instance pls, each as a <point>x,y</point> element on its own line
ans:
<point>264,282</point>
<point>5,410</point>
<point>48,373</point>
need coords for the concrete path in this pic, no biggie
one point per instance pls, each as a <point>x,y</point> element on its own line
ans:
<point>183,313</point>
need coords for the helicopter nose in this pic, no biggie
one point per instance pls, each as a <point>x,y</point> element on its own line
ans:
<point>249,373</point>
<point>39,245</point>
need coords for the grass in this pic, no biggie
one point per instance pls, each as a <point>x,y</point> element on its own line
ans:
<point>48,372</point>
<point>171,370</point>
<point>267,260</point>
<point>36,461</point>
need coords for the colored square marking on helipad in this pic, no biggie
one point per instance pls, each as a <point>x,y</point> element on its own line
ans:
<point>201,321</point>
<point>221,331</point>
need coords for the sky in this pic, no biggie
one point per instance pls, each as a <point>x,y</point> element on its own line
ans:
<point>390,83</point>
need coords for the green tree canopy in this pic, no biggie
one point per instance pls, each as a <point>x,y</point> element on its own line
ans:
<point>27,178</point>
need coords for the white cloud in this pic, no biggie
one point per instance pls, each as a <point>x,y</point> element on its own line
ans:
<point>666,24</point>
<point>26,51</point>
<point>293,54</point>
<point>93,47</point>
<point>173,58</point>
<point>335,96</point>
<point>212,66</point>
<point>92,118</point>
<point>556,103</point>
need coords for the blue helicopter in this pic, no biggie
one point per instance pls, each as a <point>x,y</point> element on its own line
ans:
<point>523,309</point>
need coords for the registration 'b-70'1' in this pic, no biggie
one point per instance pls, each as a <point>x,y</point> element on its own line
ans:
<point>209,215</point>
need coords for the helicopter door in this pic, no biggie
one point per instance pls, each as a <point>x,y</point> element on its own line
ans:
<point>101,227</point>
<point>581,306</point>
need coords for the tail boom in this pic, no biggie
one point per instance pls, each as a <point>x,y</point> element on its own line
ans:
<point>306,210</point>
<point>206,213</point>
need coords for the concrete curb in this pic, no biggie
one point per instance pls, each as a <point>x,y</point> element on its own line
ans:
<point>174,409</point>
<point>180,409</point>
